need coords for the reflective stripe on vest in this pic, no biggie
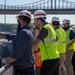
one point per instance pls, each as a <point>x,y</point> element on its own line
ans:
<point>61,43</point>
<point>67,36</point>
<point>49,40</point>
<point>60,31</point>
<point>48,49</point>
<point>68,41</point>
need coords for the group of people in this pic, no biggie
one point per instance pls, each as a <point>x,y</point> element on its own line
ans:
<point>65,47</point>
<point>48,53</point>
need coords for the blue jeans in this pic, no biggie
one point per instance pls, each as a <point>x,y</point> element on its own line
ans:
<point>26,71</point>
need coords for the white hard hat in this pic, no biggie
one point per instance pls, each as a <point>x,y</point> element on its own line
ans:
<point>65,21</point>
<point>73,27</point>
<point>39,14</point>
<point>55,19</point>
<point>24,13</point>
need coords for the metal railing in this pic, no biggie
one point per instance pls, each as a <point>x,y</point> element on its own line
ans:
<point>42,4</point>
<point>6,70</point>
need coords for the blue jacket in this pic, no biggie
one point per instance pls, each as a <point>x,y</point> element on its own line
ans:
<point>22,44</point>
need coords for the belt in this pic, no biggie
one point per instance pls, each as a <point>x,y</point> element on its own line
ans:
<point>22,67</point>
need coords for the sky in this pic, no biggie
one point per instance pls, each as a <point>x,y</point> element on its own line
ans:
<point>12,19</point>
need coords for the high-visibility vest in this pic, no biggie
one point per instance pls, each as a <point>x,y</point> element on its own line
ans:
<point>61,42</point>
<point>74,43</point>
<point>74,46</point>
<point>48,48</point>
<point>68,41</point>
<point>38,58</point>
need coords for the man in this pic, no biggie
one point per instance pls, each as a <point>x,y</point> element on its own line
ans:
<point>61,44</point>
<point>46,40</point>
<point>22,46</point>
<point>37,53</point>
<point>70,48</point>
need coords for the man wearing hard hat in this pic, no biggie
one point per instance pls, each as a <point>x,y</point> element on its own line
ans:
<point>61,44</point>
<point>22,46</point>
<point>70,39</point>
<point>46,40</point>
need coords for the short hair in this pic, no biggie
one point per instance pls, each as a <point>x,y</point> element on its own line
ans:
<point>26,19</point>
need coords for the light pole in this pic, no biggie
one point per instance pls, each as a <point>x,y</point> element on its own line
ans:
<point>5,12</point>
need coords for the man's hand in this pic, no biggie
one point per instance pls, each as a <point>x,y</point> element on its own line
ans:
<point>9,60</point>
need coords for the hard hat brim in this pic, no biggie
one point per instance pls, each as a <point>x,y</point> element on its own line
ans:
<point>21,15</point>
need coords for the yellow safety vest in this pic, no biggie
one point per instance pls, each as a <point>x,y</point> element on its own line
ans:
<point>68,41</point>
<point>61,43</point>
<point>48,48</point>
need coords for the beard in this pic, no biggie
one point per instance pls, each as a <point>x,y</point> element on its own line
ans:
<point>66,28</point>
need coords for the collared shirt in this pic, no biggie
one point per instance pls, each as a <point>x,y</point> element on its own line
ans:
<point>22,47</point>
